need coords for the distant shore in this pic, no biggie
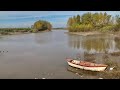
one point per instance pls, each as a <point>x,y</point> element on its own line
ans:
<point>59,28</point>
<point>17,32</point>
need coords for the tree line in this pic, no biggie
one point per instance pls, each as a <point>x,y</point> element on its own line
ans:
<point>93,22</point>
<point>39,25</point>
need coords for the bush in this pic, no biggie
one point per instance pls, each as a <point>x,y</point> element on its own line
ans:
<point>41,25</point>
<point>4,33</point>
<point>107,28</point>
<point>117,27</point>
<point>80,28</point>
<point>34,30</point>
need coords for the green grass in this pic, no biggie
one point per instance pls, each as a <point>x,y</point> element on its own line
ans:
<point>5,31</point>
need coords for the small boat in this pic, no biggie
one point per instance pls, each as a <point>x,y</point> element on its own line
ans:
<point>86,65</point>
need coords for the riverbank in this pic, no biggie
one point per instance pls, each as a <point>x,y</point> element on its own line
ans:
<point>59,28</point>
<point>84,33</point>
<point>110,59</point>
<point>116,34</point>
<point>17,32</point>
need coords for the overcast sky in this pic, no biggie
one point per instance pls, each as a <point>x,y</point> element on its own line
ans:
<point>27,18</point>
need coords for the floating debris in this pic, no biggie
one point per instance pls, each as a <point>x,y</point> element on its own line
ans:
<point>3,51</point>
<point>81,76</point>
<point>43,78</point>
<point>100,78</point>
<point>76,73</point>
<point>36,78</point>
<point>112,68</point>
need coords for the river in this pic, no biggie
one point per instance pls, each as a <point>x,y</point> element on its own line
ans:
<point>42,55</point>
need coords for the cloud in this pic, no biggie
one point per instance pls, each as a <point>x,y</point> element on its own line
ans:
<point>27,18</point>
<point>20,20</point>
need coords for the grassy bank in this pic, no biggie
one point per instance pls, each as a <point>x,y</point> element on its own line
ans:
<point>9,31</point>
<point>59,28</point>
<point>38,26</point>
<point>85,33</point>
<point>115,34</point>
<point>14,31</point>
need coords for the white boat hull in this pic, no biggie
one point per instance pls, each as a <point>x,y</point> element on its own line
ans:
<point>87,68</point>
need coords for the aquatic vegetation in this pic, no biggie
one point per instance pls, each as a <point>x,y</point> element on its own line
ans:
<point>89,57</point>
<point>110,75</point>
<point>115,54</point>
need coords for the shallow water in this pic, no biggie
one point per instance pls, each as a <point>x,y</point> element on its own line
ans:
<point>42,55</point>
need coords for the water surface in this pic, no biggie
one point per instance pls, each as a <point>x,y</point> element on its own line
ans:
<point>42,55</point>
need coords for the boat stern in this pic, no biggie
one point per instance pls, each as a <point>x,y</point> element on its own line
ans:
<point>69,59</point>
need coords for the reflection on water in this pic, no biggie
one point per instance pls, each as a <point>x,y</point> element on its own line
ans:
<point>38,55</point>
<point>95,44</point>
<point>43,38</point>
<point>53,37</point>
<point>83,73</point>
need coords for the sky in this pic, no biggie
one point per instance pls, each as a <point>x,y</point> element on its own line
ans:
<point>27,18</point>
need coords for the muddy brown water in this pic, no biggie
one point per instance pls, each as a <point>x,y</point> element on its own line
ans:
<point>42,55</point>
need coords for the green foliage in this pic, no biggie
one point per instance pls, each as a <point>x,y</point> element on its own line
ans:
<point>118,19</point>
<point>6,31</point>
<point>70,22</point>
<point>38,26</point>
<point>117,27</point>
<point>107,28</point>
<point>80,28</point>
<point>96,21</point>
<point>41,25</point>
<point>86,18</point>
<point>78,19</point>
<point>34,30</point>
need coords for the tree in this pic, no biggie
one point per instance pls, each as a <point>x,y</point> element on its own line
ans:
<point>118,19</point>
<point>95,21</point>
<point>117,26</point>
<point>86,18</point>
<point>78,19</point>
<point>41,25</point>
<point>70,22</point>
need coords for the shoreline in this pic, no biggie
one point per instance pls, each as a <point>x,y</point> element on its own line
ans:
<point>19,33</point>
<point>84,33</point>
<point>116,34</point>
